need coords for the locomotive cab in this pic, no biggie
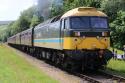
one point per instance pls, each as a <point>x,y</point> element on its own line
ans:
<point>86,37</point>
<point>85,28</point>
<point>86,32</point>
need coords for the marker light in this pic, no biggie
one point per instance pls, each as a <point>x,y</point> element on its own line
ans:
<point>104,34</point>
<point>77,33</point>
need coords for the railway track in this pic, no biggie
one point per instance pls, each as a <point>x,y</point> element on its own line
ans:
<point>94,77</point>
<point>87,78</point>
<point>118,79</point>
<point>100,77</point>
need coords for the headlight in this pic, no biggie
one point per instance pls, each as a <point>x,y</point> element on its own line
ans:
<point>98,37</point>
<point>84,37</point>
<point>104,34</point>
<point>77,33</point>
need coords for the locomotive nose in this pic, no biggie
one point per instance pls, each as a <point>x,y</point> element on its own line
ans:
<point>91,40</point>
<point>90,43</point>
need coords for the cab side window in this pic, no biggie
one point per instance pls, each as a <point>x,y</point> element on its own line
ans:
<point>66,23</point>
<point>62,24</point>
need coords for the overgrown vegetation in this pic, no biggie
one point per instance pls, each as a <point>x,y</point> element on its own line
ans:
<point>115,9</point>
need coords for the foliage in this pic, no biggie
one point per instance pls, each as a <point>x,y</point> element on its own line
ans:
<point>3,32</point>
<point>111,7</point>
<point>118,30</point>
<point>35,20</point>
<point>55,11</point>
<point>70,4</point>
<point>28,18</point>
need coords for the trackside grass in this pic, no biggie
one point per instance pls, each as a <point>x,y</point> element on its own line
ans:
<point>116,67</point>
<point>15,69</point>
<point>118,51</point>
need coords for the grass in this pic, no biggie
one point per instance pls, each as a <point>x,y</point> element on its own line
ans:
<point>116,67</point>
<point>15,69</point>
<point>3,27</point>
<point>118,51</point>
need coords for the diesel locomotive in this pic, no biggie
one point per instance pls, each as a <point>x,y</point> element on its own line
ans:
<point>78,39</point>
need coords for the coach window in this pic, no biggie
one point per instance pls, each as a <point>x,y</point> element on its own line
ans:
<point>66,23</point>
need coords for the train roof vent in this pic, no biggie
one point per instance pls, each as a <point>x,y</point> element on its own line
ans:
<point>56,18</point>
<point>86,8</point>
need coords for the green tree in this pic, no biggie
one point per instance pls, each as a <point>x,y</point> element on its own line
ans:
<point>118,30</point>
<point>111,7</point>
<point>36,20</point>
<point>27,19</point>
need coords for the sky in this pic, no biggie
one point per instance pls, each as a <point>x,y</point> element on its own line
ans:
<point>10,9</point>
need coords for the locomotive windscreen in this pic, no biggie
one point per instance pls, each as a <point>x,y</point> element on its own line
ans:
<point>88,22</point>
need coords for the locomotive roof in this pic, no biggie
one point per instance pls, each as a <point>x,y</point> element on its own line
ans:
<point>54,19</point>
<point>84,11</point>
<point>25,31</point>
